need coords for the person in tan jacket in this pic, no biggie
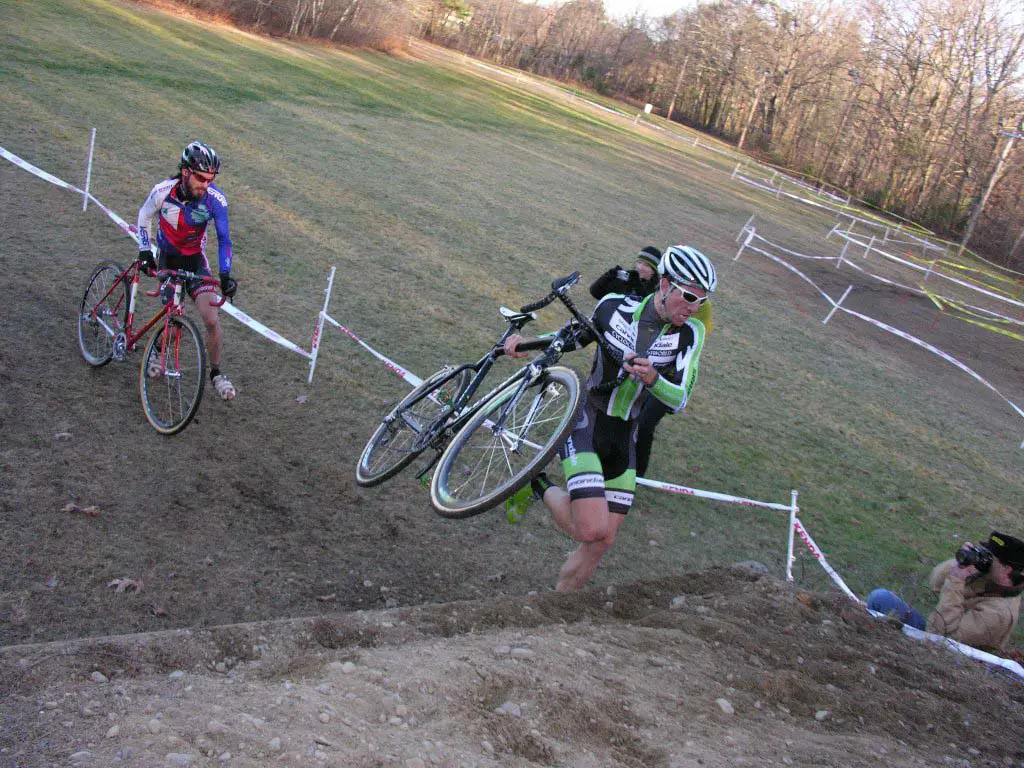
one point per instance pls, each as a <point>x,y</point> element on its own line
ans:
<point>979,595</point>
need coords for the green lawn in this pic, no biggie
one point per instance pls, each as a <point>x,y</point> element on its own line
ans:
<point>439,195</point>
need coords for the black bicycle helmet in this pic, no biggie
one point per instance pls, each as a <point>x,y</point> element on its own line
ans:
<point>200,157</point>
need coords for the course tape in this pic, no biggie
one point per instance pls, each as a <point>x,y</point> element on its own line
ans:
<point>934,350</point>
<point>972,286</point>
<point>777,191</point>
<point>941,302</point>
<point>805,537</point>
<point>129,230</point>
<point>969,309</point>
<point>993,328</point>
<point>895,331</point>
<point>406,375</point>
<point>966,650</point>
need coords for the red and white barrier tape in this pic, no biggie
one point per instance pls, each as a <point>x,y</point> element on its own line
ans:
<point>989,658</point>
<point>805,537</point>
<point>712,495</point>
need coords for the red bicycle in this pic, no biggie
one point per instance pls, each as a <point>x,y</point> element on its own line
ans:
<point>172,374</point>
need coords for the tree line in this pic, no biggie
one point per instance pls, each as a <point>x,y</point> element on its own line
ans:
<point>909,105</point>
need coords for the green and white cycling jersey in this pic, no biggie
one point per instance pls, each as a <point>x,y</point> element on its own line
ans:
<point>631,324</point>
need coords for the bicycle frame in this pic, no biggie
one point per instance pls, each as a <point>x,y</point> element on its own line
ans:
<point>172,309</point>
<point>437,433</point>
<point>481,368</point>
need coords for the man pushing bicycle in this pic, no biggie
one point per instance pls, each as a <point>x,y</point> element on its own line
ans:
<point>599,456</point>
<point>185,204</point>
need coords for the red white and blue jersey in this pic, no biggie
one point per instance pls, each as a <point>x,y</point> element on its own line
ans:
<point>182,230</point>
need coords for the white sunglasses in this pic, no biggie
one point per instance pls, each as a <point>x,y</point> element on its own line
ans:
<point>688,296</point>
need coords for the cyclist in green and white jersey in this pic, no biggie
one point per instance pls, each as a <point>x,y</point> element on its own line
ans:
<point>660,340</point>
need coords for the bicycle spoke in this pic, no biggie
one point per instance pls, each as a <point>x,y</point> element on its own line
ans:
<point>486,463</point>
<point>99,315</point>
<point>406,430</point>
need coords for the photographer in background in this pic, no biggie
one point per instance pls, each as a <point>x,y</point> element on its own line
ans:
<point>640,281</point>
<point>979,595</point>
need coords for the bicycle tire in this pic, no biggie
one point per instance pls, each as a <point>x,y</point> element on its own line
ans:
<point>461,483</point>
<point>94,341</point>
<point>390,449</point>
<point>172,390</point>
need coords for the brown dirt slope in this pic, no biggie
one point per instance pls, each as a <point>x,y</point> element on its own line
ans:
<point>718,668</point>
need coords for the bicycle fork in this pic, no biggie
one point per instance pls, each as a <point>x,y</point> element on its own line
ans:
<point>515,439</point>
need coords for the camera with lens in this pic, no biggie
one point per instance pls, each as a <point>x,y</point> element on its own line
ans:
<point>977,556</point>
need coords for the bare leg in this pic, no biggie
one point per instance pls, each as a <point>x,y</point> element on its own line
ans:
<point>587,521</point>
<point>557,500</point>
<point>582,563</point>
<point>212,322</point>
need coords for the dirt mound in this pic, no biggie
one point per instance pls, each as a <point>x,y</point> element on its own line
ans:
<point>723,667</point>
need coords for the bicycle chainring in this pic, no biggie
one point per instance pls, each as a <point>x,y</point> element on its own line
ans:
<point>120,348</point>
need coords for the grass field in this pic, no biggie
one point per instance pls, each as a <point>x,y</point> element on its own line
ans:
<point>439,194</point>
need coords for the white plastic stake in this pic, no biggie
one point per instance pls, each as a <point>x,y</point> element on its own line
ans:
<point>734,170</point>
<point>88,170</point>
<point>869,248</point>
<point>750,236</point>
<point>929,270</point>
<point>842,253</point>
<point>745,227</point>
<point>792,527</point>
<point>836,305</point>
<point>319,332</point>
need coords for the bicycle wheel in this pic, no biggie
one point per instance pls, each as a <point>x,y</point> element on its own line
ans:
<point>483,466</point>
<point>172,375</point>
<point>103,313</point>
<point>392,447</point>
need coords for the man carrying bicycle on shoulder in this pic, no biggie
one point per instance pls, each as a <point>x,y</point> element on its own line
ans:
<point>660,341</point>
<point>185,204</point>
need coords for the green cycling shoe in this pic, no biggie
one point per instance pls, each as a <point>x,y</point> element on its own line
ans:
<point>522,500</point>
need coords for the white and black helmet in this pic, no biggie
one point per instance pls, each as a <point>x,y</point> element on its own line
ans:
<point>683,264</point>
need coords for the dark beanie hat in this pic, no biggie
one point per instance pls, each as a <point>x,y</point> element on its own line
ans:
<point>650,254</point>
<point>1007,548</point>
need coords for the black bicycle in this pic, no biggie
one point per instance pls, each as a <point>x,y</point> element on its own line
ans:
<point>486,451</point>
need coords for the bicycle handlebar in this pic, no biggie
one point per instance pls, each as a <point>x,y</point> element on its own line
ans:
<point>560,290</point>
<point>181,275</point>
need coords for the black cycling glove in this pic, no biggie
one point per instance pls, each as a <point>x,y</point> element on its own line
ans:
<point>228,284</point>
<point>146,260</point>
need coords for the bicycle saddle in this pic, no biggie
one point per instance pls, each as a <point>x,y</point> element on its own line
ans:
<point>521,318</point>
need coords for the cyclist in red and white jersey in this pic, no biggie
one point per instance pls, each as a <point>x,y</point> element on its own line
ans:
<point>185,204</point>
